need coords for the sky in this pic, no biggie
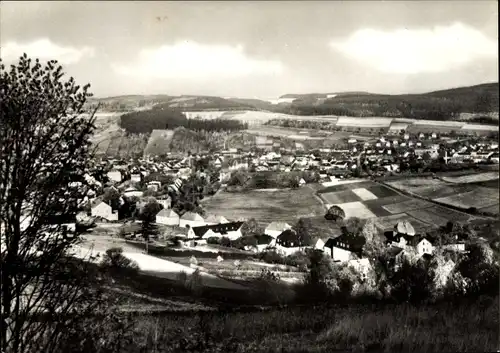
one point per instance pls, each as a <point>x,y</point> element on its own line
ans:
<point>260,49</point>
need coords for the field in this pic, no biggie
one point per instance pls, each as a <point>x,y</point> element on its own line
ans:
<point>405,206</point>
<point>477,198</point>
<point>368,199</point>
<point>478,190</point>
<point>388,222</point>
<point>265,205</point>
<point>473,178</point>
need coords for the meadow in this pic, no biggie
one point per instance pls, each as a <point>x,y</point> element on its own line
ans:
<point>265,206</point>
<point>445,327</point>
<point>479,190</point>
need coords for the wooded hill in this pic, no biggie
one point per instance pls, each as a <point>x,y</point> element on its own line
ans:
<point>438,105</point>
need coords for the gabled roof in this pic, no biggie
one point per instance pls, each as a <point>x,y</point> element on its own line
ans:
<point>278,226</point>
<point>222,228</point>
<point>354,244</point>
<point>393,251</point>
<point>169,213</point>
<point>191,216</point>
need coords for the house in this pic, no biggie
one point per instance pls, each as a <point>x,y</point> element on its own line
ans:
<point>288,242</point>
<point>115,176</point>
<point>166,202</point>
<point>320,244</point>
<point>103,210</point>
<point>459,247</point>
<point>344,247</point>
<point>154,185</point>
<point>135,178</point>
<point>167,217</point>
<point>231,230</point>
<point>191,219</point>
<point>274,229</point>
<point>212,219</point>
<point>302,182</point>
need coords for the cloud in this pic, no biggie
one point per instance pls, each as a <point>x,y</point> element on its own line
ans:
<point>404,51</point>
<point>45,50</point>
<point>188,60</point>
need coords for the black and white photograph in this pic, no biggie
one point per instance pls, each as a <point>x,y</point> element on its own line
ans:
<point>249,176</point>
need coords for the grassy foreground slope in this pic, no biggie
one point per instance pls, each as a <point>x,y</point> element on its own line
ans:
<point>359,328</point>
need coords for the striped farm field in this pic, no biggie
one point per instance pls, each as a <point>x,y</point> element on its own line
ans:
<point>426,215</point>
<point>388,222</point>
<point>364,194</point>
<point>434,191</point>
<point>451,215</point>
<point>377,206</point>
<point>481,197</point>
<point>473,178</point>
<point>356,209</point>
<point>339,197</point>
<point>347,186</point>
<point>412,204</point>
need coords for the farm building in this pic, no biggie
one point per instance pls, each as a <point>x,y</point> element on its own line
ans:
<point>167,217</point>
<point>191,219</point>
<point>115,176</point>
<point>344,247</point>
<point>103,210</point>
<point>135,178</point>
<point>289,242</point>
<point>276,228</point>
<point>230,230</point>
<point>166,202</point>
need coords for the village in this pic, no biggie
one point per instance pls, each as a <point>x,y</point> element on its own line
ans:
<point>118,191</point>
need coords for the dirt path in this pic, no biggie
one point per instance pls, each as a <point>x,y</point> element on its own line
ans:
<point>320,200</point>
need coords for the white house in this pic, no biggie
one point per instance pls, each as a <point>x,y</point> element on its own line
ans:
<point>135,178</point>
<point>424,247</point>
<point>191,219</point>
<point>166,202</point>
<point>115,175</point>
<point>154,185</point>
<point>343,248</point>
<point>276,228</point>
<point>103,210</point>
<point>167,217</point>
<point>302,182</point>
<point>231,230</point>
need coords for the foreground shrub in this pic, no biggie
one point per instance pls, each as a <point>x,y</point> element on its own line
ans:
<point>115,260</point>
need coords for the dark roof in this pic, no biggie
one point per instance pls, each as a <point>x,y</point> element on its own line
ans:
<point>217,228</point>
<point>264,239</point>
<point>354,244</point>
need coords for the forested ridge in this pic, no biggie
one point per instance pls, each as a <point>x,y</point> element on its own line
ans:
<point>149,120</point>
